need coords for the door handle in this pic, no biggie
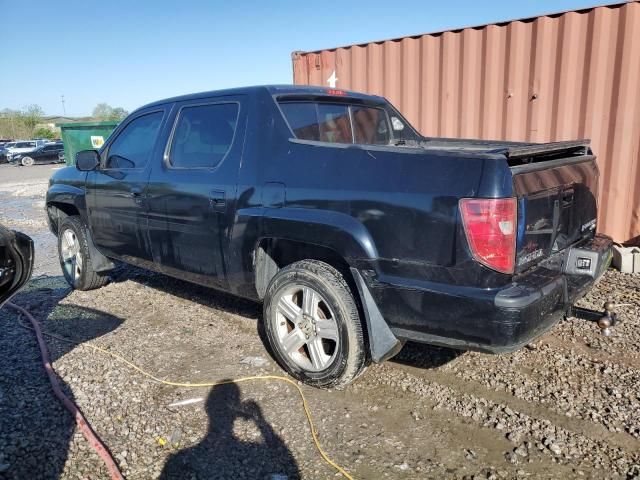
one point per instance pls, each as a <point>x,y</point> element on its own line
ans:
<point>217,199</point>
<point>136,193</point>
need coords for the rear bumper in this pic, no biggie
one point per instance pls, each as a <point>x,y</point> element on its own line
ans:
<point>491,320</point>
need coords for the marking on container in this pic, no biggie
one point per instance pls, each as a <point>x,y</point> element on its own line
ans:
<point>97,141</point>
<point>332,80</point>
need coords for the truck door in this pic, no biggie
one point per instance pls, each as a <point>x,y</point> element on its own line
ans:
<point>116,190</point>
<point>191,194</point>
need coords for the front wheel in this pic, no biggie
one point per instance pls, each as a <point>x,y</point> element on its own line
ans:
<point>75,260</point>
<point>27,161</point>
<point>313,326</point>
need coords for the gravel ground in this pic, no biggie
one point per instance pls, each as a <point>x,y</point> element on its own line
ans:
<point>567,406</point>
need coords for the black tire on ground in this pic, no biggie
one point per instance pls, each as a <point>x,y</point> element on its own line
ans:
<point>345,357</point>
<point>74,257</point>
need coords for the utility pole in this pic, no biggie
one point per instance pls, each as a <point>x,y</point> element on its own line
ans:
<point>64,110</point>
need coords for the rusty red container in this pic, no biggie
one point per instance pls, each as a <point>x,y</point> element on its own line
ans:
<point>554,77</point>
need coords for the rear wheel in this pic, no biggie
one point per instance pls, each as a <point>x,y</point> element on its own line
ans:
<point>75,260</point>
<point>27,161</point>
<point>313,325</point>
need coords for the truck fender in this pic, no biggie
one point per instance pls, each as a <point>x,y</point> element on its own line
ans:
<point>335,230</point>
<point>59,195</point>
<point>349,238</point>
<point>70,195</point>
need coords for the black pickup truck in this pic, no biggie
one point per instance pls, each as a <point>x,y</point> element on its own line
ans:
<point>356,232</point>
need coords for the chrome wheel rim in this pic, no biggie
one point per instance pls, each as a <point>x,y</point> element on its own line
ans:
<point>71,255</point>
<point>27,161</point>
<point>306,328</point>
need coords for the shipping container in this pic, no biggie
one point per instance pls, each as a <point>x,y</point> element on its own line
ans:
<point>562,76</point>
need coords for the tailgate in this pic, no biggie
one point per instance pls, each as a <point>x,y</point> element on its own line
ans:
<point>557,186</point>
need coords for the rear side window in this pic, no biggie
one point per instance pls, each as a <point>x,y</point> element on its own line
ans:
<point>303,120</point>
<point>370,125</point>
<point>337,123</point>
<point>334,123</point>
<point>203,135</point>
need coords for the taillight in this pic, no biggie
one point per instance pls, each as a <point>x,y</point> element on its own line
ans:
<point>490,226</point>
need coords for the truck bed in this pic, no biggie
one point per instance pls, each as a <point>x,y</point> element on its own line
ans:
<point>517,153</point>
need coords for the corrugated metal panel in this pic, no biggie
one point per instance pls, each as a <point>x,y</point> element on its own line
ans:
<point>556,77</point>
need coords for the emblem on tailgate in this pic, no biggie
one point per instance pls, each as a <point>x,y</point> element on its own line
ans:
<point>530,257</point>
<point>590,225</point>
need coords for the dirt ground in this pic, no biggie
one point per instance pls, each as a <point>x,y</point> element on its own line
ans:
<point>567,406</point>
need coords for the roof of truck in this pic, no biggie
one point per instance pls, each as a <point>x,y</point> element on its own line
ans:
<point>272,90</point>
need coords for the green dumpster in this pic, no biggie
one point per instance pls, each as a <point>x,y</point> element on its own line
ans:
<point>78,136</point>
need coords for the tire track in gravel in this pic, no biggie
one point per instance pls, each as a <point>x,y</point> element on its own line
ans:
<point>532,434</point>
<point>476,388</point>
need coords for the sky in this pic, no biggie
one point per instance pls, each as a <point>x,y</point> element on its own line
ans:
<point>129,53</point>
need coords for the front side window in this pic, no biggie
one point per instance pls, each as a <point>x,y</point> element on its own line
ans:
<point>133,146</point>
<point>337,123</point>
<point>203,135</point>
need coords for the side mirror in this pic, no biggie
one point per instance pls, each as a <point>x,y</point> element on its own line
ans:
<point>87,160</point>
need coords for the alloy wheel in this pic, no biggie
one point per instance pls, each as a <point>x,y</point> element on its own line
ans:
<point>71,254</point>
<point>306,328</point>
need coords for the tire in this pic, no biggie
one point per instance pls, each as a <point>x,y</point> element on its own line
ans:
<point>27,161</point>
<point>318,341</point>
<point>73,253</point>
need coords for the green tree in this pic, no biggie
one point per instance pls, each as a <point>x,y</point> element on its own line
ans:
<point>32,116</point>
<point>118,113</point>
<point>44,132</point>
<point>104,111</point>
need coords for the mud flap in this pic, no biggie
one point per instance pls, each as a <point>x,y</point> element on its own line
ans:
<point>98,260</point>
<point>383,344</point>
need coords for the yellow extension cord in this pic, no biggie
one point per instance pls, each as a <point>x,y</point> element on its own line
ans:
<point>307,412</point>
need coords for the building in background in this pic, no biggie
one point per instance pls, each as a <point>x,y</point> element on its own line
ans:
<point>554,77</point>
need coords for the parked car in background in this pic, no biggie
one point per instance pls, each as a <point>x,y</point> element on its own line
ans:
<point>47,153</point>
<point>356,232</point>
<point>4,150</point>
<point>24,146</point>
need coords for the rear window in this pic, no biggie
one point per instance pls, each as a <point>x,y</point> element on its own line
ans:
<point>337,123</point>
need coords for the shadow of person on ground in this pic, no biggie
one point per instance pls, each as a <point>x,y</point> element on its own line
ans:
<point>222,455</point>
<point>35,429</point>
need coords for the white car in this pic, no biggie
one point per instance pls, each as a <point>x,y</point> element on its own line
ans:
<point>23,146</point>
